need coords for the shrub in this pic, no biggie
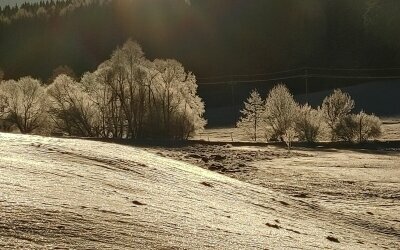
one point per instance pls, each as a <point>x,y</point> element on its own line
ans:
<point>309,124</point>
<point>346,128</point>
<point>335,109</point>
<point>368,127</point>
<point>359,127</point>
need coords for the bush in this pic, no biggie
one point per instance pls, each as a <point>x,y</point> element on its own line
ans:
<point>359,127</point>
<point>309,124</point>
<point>346,129</point>
<point>336,108</point>
<point>368,127</point>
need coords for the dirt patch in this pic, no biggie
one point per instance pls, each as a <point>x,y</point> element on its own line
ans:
<point>228,160</point>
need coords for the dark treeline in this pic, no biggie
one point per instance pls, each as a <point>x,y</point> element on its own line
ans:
<point>210,37</point>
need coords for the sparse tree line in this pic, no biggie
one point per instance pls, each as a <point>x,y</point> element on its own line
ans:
<point>280,118</point>
<point>127,96</point>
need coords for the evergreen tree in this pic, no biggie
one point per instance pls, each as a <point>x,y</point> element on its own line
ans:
<point>251,115</point>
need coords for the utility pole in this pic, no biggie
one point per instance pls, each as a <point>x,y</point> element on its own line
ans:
<point>306,79</point>
<point>233,101</point>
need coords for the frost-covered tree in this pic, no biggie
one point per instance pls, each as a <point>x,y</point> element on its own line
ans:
<point>251,119</point>
<point>178,103</point>
<point>280,112</point>
<point>309,124</point>
<point>127,96</point>
<point>71,109</point>
<point>137,98</point>
<point>24,104</point>
<point>335,108</point>
<point>127,84</point>
<point>100,93</point>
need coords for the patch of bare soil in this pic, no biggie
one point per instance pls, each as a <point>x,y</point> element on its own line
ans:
<point>229,160</point>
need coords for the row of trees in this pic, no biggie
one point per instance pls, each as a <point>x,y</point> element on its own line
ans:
<point>127,96</point>
<point>279,117</point>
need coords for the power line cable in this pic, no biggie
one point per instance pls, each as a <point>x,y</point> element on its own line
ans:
<point>261,74</point>
<point>300,69</point>
<point>299,76</point>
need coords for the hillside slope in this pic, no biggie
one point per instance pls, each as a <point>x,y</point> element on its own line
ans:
<point>83,194</point>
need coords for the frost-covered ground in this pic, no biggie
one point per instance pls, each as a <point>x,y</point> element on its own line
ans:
<point>71,193</point>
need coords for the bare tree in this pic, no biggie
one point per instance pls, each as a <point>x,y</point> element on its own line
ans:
<point>280,111</point>
<point>335,108</point>
<point>24,104</point>
<point>251,118</point>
